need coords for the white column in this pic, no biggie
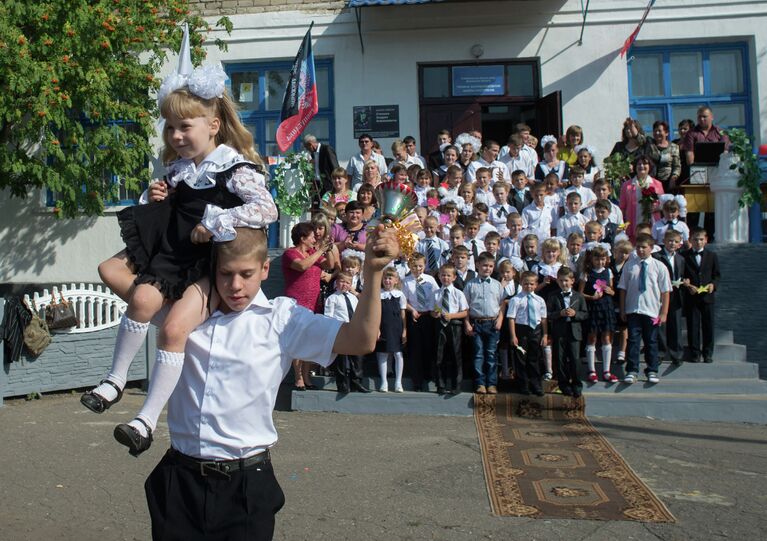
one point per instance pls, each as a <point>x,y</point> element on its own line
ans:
<point>731,221</point>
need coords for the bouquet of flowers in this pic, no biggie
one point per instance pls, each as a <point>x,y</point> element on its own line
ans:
<point>648,199</point>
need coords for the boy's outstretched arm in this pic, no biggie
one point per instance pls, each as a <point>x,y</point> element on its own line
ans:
<point>359,336</point>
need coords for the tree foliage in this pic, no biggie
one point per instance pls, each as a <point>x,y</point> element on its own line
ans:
<point>76,93</point>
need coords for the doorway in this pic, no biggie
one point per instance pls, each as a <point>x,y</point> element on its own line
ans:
<point>491,97</point>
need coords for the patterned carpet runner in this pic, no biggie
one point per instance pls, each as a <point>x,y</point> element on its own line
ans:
<point>542,458</point>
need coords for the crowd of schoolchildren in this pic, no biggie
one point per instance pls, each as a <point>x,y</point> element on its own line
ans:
<point>525,268</point>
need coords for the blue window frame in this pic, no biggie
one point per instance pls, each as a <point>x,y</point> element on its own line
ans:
<point>670,82</point>
<point>258,89</point>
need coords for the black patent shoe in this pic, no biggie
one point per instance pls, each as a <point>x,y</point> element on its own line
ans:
<point>97,403</point>
<point>132,439</point>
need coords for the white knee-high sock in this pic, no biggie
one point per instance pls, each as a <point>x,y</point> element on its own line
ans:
<point>591,353</point>
<point>383,359</point>
<point>165,374</point>
<point>504,354</point>
<point>547,358</point>
<point>130,338</point>
<point>607,355</point>
<point>399,363</point>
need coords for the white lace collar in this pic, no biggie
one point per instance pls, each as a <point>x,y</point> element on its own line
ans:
<point>203,176</point>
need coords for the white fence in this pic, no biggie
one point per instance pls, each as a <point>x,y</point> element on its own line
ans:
<point>96,308</point>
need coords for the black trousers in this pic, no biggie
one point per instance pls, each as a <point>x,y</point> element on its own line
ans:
<point>185,506</point>
<point>347,368</point>
<point>700,316</point>
<point>567,351</point>
<point>528,371</point>
<point>420,348</point>
<point>670,335</point>
<point>448,363</point>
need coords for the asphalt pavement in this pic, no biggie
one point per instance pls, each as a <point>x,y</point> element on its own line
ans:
<point>361,477</point>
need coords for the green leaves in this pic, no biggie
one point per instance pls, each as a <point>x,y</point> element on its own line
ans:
<point>294,198</point>
<point>77,82</point>
<point>748,166</point>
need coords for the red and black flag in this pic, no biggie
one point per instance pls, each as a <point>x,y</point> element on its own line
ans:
<point>630,40</point>
<point>300,103</point>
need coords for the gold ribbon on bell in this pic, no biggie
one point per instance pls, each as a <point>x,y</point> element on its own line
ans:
<point>396,206</point>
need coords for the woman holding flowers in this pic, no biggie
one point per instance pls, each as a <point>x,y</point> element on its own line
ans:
<point>639,196</point>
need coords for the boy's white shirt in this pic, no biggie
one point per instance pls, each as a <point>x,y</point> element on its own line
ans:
<point>335,306</point>
<point>222,407</point>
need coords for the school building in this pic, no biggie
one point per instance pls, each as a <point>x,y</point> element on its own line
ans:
<point>393,68</point>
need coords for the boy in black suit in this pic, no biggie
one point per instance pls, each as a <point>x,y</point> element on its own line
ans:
<point>566,310</point>
<point>519,196</point>
<point>460,259</point>
<point>701,278</point>
<point>670,335</point>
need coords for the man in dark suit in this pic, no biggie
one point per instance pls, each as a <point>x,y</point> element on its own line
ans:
<point>670,335</point>
<point>324,158</point>
<point>566,310</point>
<point>701,278</point>
<point>436,159</point>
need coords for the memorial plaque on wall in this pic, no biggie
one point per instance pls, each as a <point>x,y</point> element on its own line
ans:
<point>376,120</point>
<point>478,80</point>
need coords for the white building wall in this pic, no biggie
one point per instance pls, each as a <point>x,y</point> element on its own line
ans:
<point>34,247</point>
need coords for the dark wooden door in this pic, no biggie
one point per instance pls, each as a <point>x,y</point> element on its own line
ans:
<point>548,115</point>
<point>456,117</point>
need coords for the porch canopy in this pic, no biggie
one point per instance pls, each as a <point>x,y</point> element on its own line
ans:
<point>364,3</point>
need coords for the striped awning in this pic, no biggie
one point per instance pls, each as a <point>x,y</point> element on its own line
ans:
<point>365,3</point>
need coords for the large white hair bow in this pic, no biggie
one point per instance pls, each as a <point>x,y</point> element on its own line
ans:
<point>587,148</point>
<point>464,138</point>
<point>546,139</point>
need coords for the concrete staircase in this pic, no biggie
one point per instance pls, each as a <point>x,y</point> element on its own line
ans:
<point>727,390</point>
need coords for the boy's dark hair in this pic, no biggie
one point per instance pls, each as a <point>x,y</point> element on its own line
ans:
<point>644,238</point>
<point>409,139</point>
<point>528,274</point>
<point>249,242</point>
<point>644,226</point>
<point>364,136</point>
<point>481,207</point>
<point>343,274</point>
<point>484,257</point>
<point>599,183</point>
<point>443,132</point>
<point>565,272</point>
<point>414,169</point>
<point>518,173</point>
<point>351,206</point>
<point>422,173</point>
<point>539,187</point>
<point>457,227</point>
<point>577,170</point>
<point>573,195</point>
<point>471,220</point>
<point>671,233</point>
<point>448,267</point>
<point>493,236</point>
<point>574,235</point>
<point>483,170</point>
<point>417,256</point>
<point>670,206</point>
<point>697,230</point>
<point>398,168</point>
<point>461,249</point>
<point>453,169</point>
<point>603,204</point>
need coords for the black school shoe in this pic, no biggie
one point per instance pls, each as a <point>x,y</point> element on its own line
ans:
<point>97,403</point>
<point>132,439</point>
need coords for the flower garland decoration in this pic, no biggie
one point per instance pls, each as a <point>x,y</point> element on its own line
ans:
<point>293,181</point>
<point>648,200</point>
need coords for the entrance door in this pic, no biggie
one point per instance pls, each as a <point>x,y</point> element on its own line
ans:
<point>548,115</point>
<point>456,117</point>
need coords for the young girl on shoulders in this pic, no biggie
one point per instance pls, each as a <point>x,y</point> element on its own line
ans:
<point>393,332</point>
<point>214,184</point>
<point>597,287</point>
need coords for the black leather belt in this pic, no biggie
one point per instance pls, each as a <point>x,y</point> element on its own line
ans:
<point>483,318</point>
<point>220,468</point>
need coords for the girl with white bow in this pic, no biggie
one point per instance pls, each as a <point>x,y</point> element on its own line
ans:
<point>213,185</point>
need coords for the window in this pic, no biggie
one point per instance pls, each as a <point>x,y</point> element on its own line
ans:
<point>493,80</point>
<point>670,83</point>
<point>124,196</point>
<point>258,90</point>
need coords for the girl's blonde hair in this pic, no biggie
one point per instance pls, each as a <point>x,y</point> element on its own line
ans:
<point>550,244</point>
<point>467,185</point>
<point>183,104</point>
<point>391,271</point>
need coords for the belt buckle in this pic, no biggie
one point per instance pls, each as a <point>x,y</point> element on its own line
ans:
<point>213,468</point>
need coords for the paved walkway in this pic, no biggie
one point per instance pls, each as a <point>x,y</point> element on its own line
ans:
<point>364,477</point>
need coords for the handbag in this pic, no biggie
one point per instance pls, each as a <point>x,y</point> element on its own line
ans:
<point>60,315</point>
<point>36,334</point>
